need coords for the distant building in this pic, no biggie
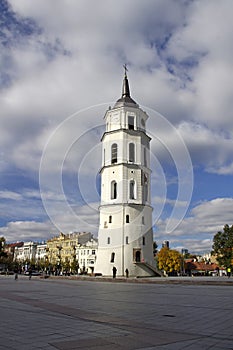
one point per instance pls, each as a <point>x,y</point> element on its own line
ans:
<point>201,268</point>
<point>10,248</point>
<point>165,244</point>
<point>41,252</point>
<point>184,251</point>
<point>64,250</point>
<point>27,252</point>
<point>86,256</point>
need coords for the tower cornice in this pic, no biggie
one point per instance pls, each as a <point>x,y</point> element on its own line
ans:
<point>127,131</point>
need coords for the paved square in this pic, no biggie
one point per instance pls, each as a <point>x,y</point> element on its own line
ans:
<point>72,314</point>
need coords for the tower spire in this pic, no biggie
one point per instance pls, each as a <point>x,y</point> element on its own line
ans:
<point>125,98</point>
<point>125,87</point>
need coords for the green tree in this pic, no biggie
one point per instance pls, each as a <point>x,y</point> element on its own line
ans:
<point>169,260</point>
<point>223,246</point>
<point>3,254</point>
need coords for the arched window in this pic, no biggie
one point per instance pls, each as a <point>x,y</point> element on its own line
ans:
<point>110,219</point>
<point>132,189</point>
<point>108,240</point>
<point>113,189</point>
<point>112,257</point>
<point>127,219</point>
<point>131,152</point>
<point>114,153</point>
<point>131,122</point>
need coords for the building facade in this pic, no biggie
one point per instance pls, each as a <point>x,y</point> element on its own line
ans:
<point>26,252</point>
<point>125,229</point>
<point>64,251</point>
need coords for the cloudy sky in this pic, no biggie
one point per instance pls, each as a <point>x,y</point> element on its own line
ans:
<point>61,67</point>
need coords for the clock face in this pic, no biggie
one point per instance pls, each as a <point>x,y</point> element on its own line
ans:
<point>115,118</point>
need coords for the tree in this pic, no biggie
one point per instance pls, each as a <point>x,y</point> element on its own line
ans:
<point>223,246</point>
<point>169,260</point>
<point>3,254</point>
<point>155,246</point>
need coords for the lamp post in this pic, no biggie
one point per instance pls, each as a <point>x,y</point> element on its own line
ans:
<point>59,259</point>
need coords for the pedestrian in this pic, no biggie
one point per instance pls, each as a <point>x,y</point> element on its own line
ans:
<point>114,271</point>
<point>127,273</point>
<point>30,273</point>
<point>16,273</point>
<point>228,272</point>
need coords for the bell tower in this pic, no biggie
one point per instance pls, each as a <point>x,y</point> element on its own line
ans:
<point>125,228</point>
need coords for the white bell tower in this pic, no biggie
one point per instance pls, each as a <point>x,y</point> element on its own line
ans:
<point>125,228</point>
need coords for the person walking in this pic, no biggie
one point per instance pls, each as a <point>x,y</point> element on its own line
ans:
<point>127,273</point>
<point>114,271</point>
<point>30,273</point>
<point>16,273</point>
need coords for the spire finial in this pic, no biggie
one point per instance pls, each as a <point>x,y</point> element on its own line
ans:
<point>125,88</point>
<point>126,69</point>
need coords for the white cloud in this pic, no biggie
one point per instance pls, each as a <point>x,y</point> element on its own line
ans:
<point>180,63</point>
<point>197,230</point>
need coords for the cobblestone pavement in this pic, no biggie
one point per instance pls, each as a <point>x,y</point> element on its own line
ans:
<point>72,314</point>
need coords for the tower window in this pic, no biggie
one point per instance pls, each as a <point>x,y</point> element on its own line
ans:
<point>110,219</point>
<point>127,219</point>
<point>112,257</point>
<point>132,190</point>
<point>114,153</point>
<point>143,220</point>
<point>132,152</point>
<point>131,122</point>
<point>143,240</point>
<point>126,240</point>
<point>108,240</point>
<point>113,189</point>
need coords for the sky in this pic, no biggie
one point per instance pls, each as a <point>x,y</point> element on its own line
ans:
<point>61,67</point>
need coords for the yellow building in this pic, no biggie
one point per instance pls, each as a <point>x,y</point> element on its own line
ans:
<point>62,249</point>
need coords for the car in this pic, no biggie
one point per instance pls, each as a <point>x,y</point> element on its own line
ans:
<point>34,273</point>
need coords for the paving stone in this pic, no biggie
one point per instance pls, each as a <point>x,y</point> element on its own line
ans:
<point>70,314</point>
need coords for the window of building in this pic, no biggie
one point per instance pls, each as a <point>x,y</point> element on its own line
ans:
<point>143,240</point>
<point>127,219</point>
<point>126,240</point>
<point>113,189</point>
<point>131,152</point>
<point>132,190</point>
<point>143,220</point>
<point>114,153</point>
<point>110,219</point>
<point>112,257</point>
<point>130,122</point>
<point>93,252</point>
<point>108,240</point>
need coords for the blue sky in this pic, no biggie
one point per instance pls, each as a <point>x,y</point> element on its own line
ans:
<point>61,67</point>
